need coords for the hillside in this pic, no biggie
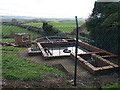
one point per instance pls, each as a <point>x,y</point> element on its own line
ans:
<point>9,31</point>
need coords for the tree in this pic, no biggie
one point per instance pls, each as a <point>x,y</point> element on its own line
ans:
<point>48,29</point>
<point>103,25</point>
<point>14,21</point>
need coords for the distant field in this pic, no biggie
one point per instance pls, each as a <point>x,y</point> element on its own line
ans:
<point>9,31</point>
<point>39,25</point>
<point>62,26</point>
<point>65,26</point>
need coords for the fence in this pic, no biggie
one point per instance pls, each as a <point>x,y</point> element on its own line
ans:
<point>18,65</point>
<point>104,39</point>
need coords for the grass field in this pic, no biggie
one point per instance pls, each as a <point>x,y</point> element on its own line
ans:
<point>39,25</point>
<point>65,26</point>
<point>62,26</point>
<point>9,31</point>
<point>14,67</point>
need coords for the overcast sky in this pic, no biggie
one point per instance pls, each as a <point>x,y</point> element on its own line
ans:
<point>47,8</point>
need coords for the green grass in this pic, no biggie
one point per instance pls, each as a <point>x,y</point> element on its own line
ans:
<point>65,26</point>
<point>8,40</point>
<point>39,25</point>
<point>6,48</point>
<point>14,67</point>
<point>85,31</point>
<point>115,85</point>
<point>62,26</point>
<point>9,31</point>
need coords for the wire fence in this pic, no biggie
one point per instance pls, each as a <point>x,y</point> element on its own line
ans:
<point>16,63</point>
<point>103,39</point>
<point>66,29</point>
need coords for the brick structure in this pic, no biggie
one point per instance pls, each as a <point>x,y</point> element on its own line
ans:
<point>105,65</point>
<point>94,59</point>
<point>22,39</point>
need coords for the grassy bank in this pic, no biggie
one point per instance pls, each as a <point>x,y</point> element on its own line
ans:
<point>14,67</point>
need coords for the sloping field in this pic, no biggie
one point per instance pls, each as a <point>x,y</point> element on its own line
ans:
<point>62,26</point>
<point>39,25</point>
<point>65,26</point>
<point>9,31</point>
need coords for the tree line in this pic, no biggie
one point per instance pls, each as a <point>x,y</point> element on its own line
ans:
<point>103,25</point>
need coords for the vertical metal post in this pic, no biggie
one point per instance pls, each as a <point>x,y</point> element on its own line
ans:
<point>75,73</point>
<point>119,34</point>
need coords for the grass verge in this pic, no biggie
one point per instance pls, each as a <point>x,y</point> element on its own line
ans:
<point>14,67</point>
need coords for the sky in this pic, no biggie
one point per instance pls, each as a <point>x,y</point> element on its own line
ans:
<point>47,8</point>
